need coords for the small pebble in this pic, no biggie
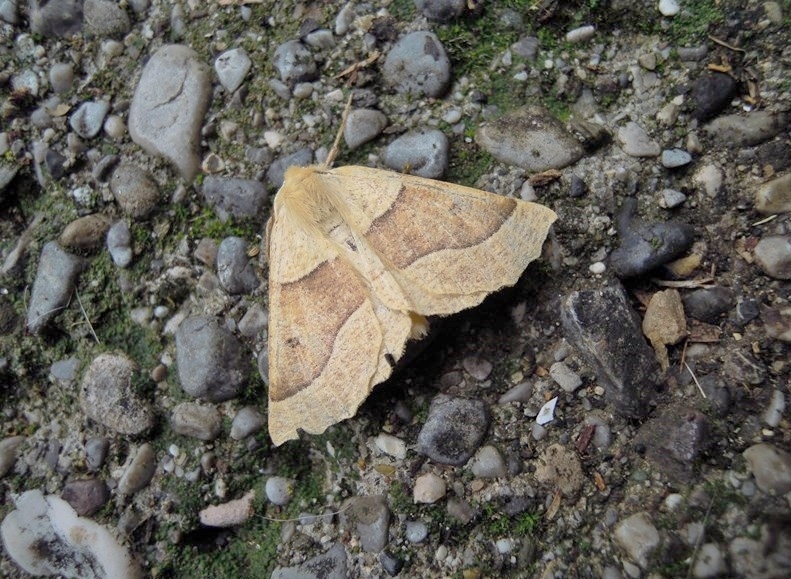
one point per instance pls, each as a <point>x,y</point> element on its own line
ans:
<point>477,367</point>
<point>773,256</point>
<point>580,34</point>
<point>391,445</point>
<point>774,412</point>
<point>671,198</point>
<point>673,158</point>
<point>429,488</point>
<point>669,7</point>
<point>246,422</point>
<point>279,490</point>
<point>488,463</point>
<point>363,125</point>
<point>416,531</point>
<point>196,421</point>
<point>565,377</point>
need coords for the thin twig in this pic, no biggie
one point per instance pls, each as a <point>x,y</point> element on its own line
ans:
<point>695,378</point>
<point>704,282</point>
<point>765,220</point>
<point>725,44</point>
<point>699,541</point>
<point>337,144</point>
<point>85,315</point>
<point>298,519</point>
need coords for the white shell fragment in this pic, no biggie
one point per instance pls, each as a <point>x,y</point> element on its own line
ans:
<point>44,536</point>
<point>547,412</point>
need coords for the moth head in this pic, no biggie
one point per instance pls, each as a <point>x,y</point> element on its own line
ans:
<point>302,196</point>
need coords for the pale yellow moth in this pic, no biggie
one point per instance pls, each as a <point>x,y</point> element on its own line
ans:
<point>358,258</point>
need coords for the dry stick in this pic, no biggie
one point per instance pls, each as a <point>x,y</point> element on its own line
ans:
<point>297,519</point>
<point>337,143</point>
<point>691,373</point>
<point>725,44</point>
<point>700,539</point>
<point>85,315</point>
<point>766,220</point>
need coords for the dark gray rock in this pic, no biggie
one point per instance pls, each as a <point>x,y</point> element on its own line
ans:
<point>330,565</point>
<point>86,496</point>
<point>441,10</point>
<point>708,304</point>
<point>645,246</point>
<point>168,105</point>
<point>390,563</point>
<point>718,397</point>
<point>711,93</point>
<point>135,190</point>
<point>294,63</point>
<point>418,64</point>
<point>96,449</point>
<point>747,309</point>
<point>55,17</point>
<point>209,359</point>
<point>369,517</point>
<point>453,430</point>
<point>675,440</point>
<point>234,269</point>
<point>240,198</point>
<point>606,330</point>
<point>277,170</point>
<point>55,278</point>
<point>423,153</point>
<point>108,396</point>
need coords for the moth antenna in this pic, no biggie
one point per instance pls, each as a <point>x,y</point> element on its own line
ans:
<point>337,144</point>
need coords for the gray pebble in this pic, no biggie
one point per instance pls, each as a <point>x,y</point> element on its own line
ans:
<point>739,130</point>
<point>9,12</point>
<point>390,563</point>
<point>441,10</point>
<point>416,531</point>
<point>708,304</point>
<point>209,359</point>
<point>277,170</point>
<point>234,269</point>
<point>522,392</point>
<point>294,63</point>
<point>531,138</point>
<point>257,155</point>
<point>717,394</point>
<point>135,190</point>
<point>55,279</point>
<point>453,430</point>
<point>577,187</point>
<point>246,422</point>
<point>344,19</point>
<point>196,421</point>
<point>363,125</point>
<point>709,562</point>
<point>254,321</point>
<point>86,496</point>
<point>87,120</point>
<point>240,198</point>
<point>773,256</point>
<point>526,47</point>
<point>56,164</point>
<point>107,395</point>
<point>139,472</point>
<point>105,19</point>
<point>418,64</point>
<point>279,490</point>
<point>636,142</point>
<point>423,153</point>
<point>65,370</point>
<point>671,198</point>
<point>96,449</point>
<point>477,366</point>
<point>321,39</point>
<point>168,106</point>
<point>460,510</point>
<point>119,240</point>
<point>565,377</point>
<point>231,67</point>
<point>672,158</point>
<point>61,76</point>
<point>9,449</point>
<point>488,463</point>
<point>774,411</point>
<point>369,516</point>
<point>114,127</point>
<point>645,246</point>
<point>638,537</point>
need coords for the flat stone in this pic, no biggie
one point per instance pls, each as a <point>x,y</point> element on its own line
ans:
<point>140,471</point>
<point>119,243</point>
<point>531,138</point>
<point>664,323</point>
<point>55,18</point>
<point>87,120</point>
<point>606,331</point>
<point>636,142</point>
<point>488,463</point>
<point>711,93</point>
<point>234,268</point>
<point>85,232</point>
<point>774,196</point>
<point>55,279</point>
<point>231,67</point>
<point>168,105</point>
<point>773,256</point>
<point>708,304</point>
<point>246,422</point>
<point>441,10</point>
<point>294,63</point>
<point>86,496</point>
<point>363,125</point>
<point>747,130</point>
<point>196,421</point>
<point>108,395</point>
<point>428,489</point>
<point>565,377</point>
<point>105,19</point>
<point>674,158</point>
<point>279,490</point>
<point>638,537</point>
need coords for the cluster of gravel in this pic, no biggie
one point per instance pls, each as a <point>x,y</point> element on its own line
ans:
<point>620,413</point>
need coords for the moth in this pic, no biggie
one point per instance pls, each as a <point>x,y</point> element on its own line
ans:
<point>358,259</point>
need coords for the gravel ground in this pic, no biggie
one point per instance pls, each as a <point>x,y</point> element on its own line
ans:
<point>620,412</point>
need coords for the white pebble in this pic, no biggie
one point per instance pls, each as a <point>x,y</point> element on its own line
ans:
<point>774,411</point>
<point>391,445</point>
<point>504,546</point>
<point>429,488</point>
<point>114,127</point>
<point>452,117</point>
<point>668,7</point>
<point>580,34</point>
<point>416,531</point>
<point>597,268</point>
